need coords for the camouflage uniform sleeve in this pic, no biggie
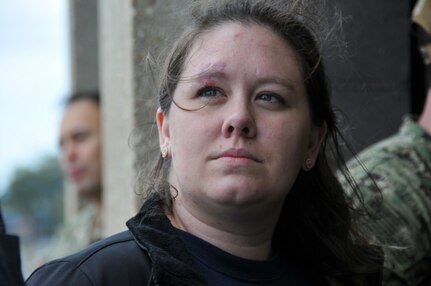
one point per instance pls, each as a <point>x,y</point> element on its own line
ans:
<point>401,216</point>
<point>75,235</point>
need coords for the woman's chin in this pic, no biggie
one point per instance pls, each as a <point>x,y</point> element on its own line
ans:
<point>237,196</point>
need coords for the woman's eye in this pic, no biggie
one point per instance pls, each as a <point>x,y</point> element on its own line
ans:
<point>209,92</point>
<point>272,98</point>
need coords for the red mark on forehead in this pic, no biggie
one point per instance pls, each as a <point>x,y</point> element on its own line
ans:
<point>210,72</point>
<point>213,67</point>
<point>207,81</point>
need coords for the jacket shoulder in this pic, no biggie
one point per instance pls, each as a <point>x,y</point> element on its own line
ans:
<point>116,260</point>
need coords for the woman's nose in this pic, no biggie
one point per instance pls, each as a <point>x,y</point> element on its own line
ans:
<point>239,121</point>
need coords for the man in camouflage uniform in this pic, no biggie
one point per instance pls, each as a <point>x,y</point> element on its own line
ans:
<point>401,168</point>
<point>80,158</point>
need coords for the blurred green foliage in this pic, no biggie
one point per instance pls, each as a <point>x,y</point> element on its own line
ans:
<point>36,192</point>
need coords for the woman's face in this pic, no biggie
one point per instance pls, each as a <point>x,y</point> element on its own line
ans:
<point>249,142</point>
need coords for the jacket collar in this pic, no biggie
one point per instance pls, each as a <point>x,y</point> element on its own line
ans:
<point>171,263</point>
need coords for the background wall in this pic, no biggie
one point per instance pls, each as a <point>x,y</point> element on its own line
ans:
<point>372,84</point>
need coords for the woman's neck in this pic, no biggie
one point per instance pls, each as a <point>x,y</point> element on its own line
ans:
<point>248,238</point>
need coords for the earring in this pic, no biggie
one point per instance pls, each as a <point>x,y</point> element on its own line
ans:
<point>308,164</point>
<point>164,151</point>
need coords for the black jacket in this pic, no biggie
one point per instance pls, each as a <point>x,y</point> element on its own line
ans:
<point>149,253</point>
<point>10,259</point>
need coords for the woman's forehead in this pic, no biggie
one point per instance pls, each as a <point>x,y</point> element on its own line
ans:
<point>236,47</point>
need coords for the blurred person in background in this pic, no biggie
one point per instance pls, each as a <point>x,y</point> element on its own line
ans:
<point>80,159</point>
<point>401,168</point>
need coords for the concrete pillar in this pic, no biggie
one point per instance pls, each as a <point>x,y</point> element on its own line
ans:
<point>84,44</point>
<point>117,89</point>
<point>156,23</point>
<point>130,32</point>
<point>84,62</point>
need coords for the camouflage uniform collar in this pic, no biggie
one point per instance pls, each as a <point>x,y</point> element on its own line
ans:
<point>410,128</point>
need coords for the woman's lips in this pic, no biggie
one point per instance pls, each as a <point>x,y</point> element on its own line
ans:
<point>237,156</point>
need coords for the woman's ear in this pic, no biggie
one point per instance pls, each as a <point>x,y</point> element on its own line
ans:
<point>163,127</point>
<point>317,136</point>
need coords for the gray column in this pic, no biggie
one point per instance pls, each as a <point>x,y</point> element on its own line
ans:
<point>117,89</point>
<point>130,33</point>
<point>156,24</point>
<point>84,62</point>
<point>84,45</point>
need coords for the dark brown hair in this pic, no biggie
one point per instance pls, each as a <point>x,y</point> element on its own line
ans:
<point>92,96</point>
<point>317,224</point>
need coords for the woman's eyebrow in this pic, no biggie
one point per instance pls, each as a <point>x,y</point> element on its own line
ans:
<point>212,70</point>
<point>216,71</point>
<point>210,77</point>
<point>278,80</point>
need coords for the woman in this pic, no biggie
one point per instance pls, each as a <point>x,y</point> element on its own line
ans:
<point>243,193</point>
